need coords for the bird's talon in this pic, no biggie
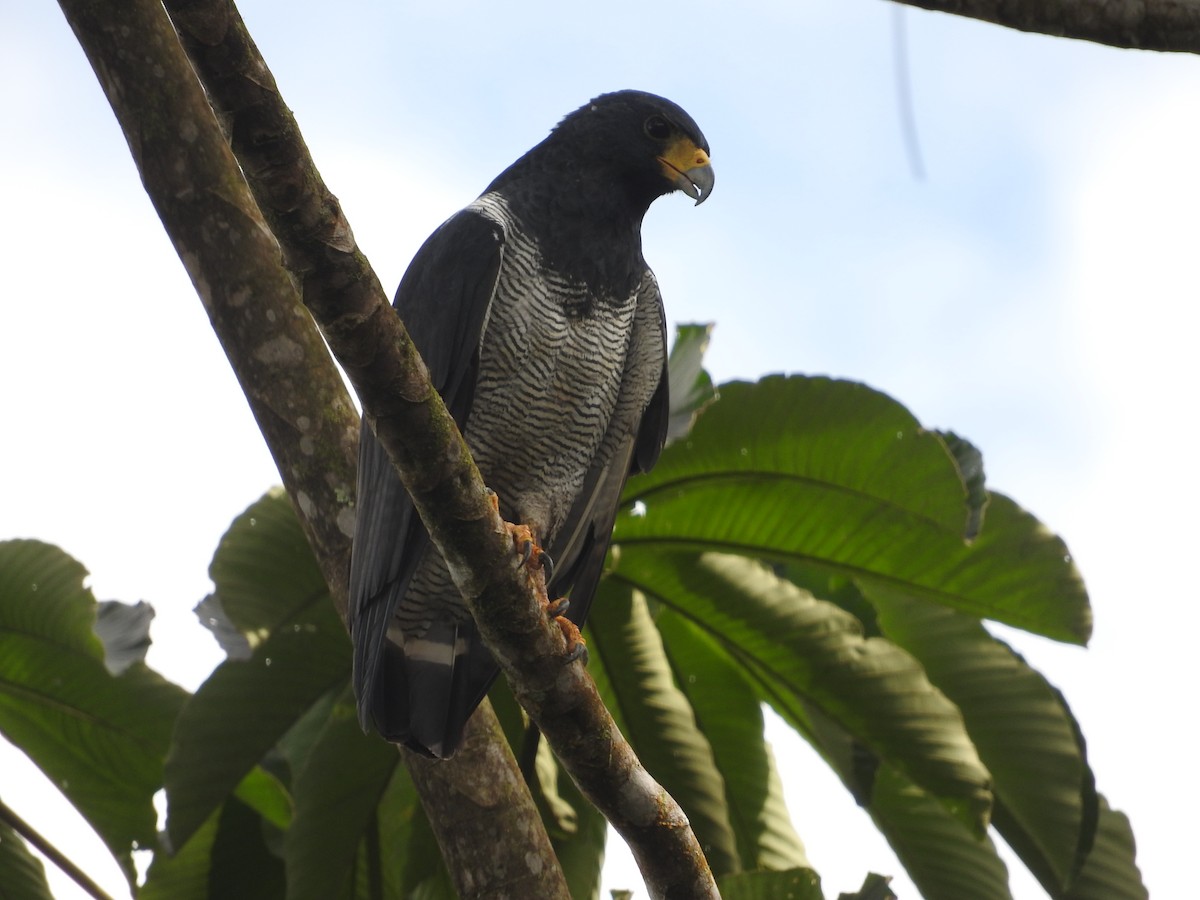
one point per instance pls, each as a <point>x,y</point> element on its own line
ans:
<point>579,651</point>
<point>576,647</point>
<point>525,545</point>
<point>547,562</point>
<point>559,607</point>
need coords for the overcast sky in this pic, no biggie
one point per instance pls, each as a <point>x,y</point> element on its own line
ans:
<point>1036,292</point>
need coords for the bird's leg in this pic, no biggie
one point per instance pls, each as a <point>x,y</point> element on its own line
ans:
<point>534,558</point>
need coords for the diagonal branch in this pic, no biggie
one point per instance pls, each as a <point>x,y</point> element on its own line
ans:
<point>1172,25</point>
<point>294,391</point>
<point>227,249</point>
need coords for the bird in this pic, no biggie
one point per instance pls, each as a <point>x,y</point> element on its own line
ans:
<point>543,328</point>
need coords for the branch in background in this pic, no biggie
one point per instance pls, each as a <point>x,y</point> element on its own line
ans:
<point>297,397</point>
<point>192,179</point>
<point>1172,25</point>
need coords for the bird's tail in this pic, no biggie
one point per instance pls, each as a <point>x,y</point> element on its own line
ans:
<point>428,689</point>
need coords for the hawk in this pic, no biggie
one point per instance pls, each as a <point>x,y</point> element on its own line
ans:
<point>543,329</point>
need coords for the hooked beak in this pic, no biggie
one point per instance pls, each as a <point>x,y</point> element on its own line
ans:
<point>689,169</point>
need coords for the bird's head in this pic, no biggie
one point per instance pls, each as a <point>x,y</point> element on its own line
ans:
<point>646,142</point>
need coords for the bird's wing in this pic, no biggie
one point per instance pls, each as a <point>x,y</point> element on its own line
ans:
<point>443,301</point>
<point>582,546</point>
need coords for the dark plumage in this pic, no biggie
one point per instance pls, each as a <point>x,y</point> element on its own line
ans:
<point>543,329</point>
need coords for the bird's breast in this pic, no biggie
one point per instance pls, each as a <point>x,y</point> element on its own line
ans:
<point>550,371</point>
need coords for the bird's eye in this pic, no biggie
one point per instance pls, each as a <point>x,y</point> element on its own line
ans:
<point>657,128</point>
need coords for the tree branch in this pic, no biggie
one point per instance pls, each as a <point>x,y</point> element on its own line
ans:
<point>191,178</point>
<point>1172,25</point>
<point>294,391</point>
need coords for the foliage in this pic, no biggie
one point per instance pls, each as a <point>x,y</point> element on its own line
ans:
<point>806,545</point>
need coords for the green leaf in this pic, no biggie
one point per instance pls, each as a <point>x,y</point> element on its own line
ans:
<point>21,874</point>
<point>815,471</point>
<point>301,652</point>
<point>242,866</point>
<point>419,870</point>
<point>1025,733</point>
<point>263,569</point>
<point>945,861</point>
<point>792,884</point>
<point>100,738</point>
<point>729,712</point>
<point>690,389</point>
<point>436,887</point>
<point>812,650</point>
<point>1111,871</point>
<point>291,753</point>
<point>183,876</point>
<point>265,794</point>
<point>657,719</point>
<point>337,793</point>
<point>833,437</point>
<point>244,708</point>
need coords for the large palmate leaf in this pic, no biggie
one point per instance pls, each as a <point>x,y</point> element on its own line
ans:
<point>243,709</point>
<point>944,860</point>
<point>100,737</point>
<point>1025,733</point>
<point>832,473</point>
<point>792,884</point>
<point>242,865</point>
<point>301,652</point>
<point>229,856</point>
<point>337,791</point>
<point>263,571</point>
<point>729,712</point>
<point>814,651</point>
<point>415,870</point>
<point>1111,871</point>
<point>183,876</point>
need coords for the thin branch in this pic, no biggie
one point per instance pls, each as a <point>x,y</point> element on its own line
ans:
<point>146,83</point>
<point>1169,25</point>
<point>9,817</point>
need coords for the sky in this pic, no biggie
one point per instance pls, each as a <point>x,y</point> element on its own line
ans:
<point>1035,292</point>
